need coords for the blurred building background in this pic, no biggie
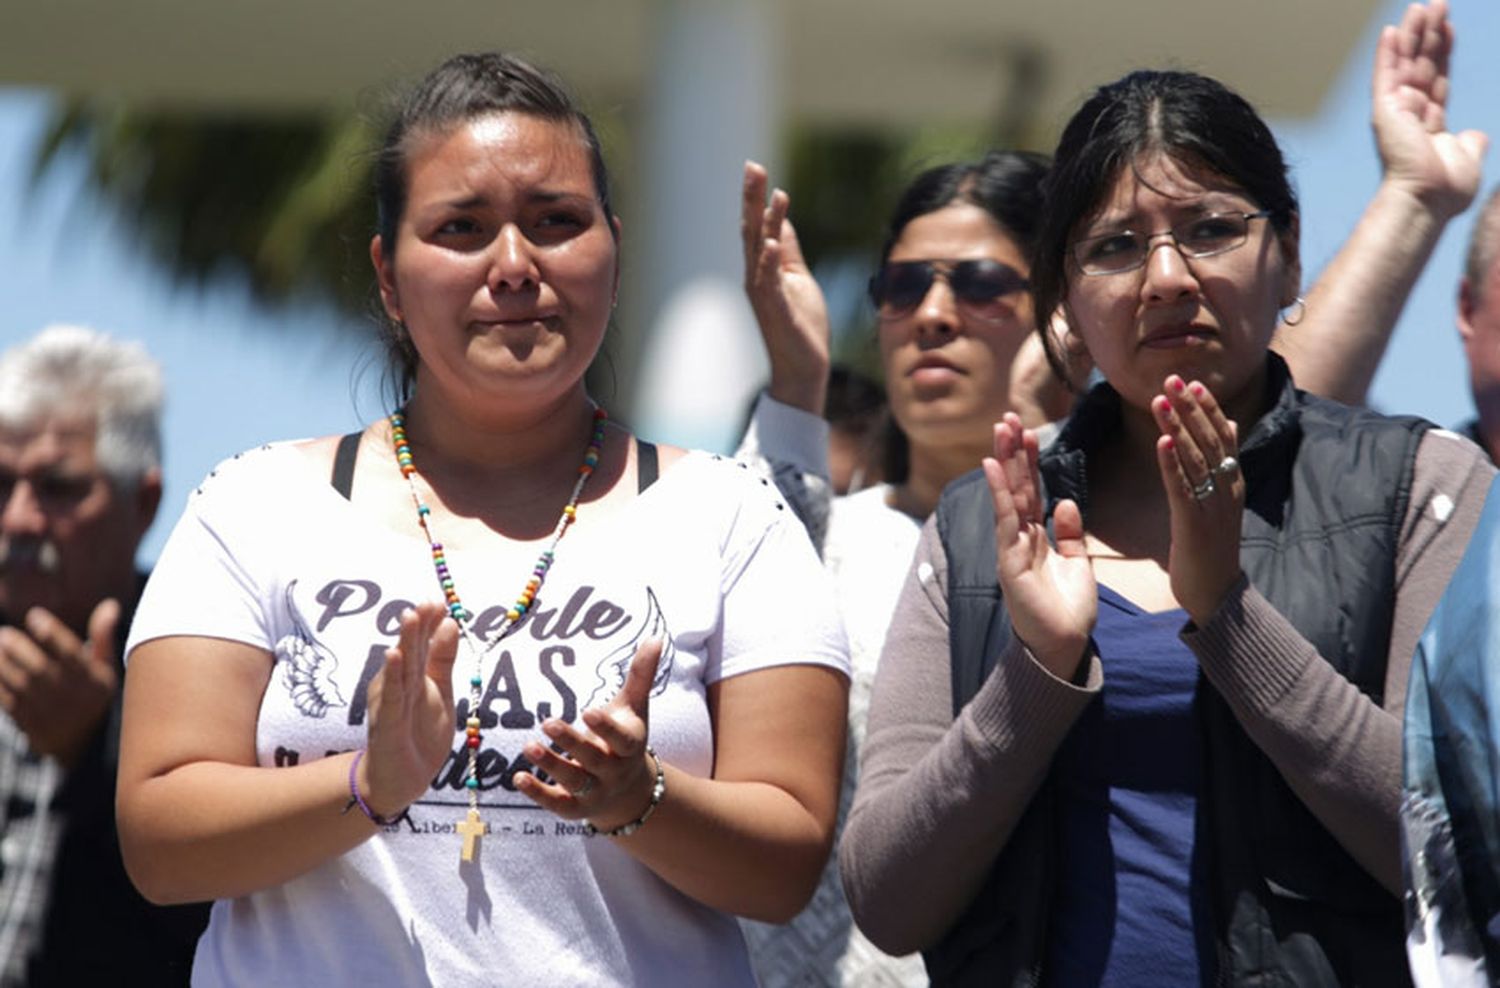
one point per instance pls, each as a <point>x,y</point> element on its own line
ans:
<point>195,174</point>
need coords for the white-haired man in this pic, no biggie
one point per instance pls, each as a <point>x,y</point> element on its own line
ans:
<point>80,481</point>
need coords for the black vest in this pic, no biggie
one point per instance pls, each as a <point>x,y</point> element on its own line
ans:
<point>1327,492</point>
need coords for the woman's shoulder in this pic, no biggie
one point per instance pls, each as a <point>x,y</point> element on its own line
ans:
<point>271,471</point>
<point>1315,411</point>
<point>709,485</point>
<point>868,511</point>
<point>1450,446</point>
<point>1449,471</point>
<point>1351,426</point>
<point>1330,426</point>
<point>248,467</point>
<point>667,455</point>
<point>702,468</point>
<point>1401,461</point>
<point>868,539</point>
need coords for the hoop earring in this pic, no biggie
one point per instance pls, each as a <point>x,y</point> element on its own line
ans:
<point>1299,306</point>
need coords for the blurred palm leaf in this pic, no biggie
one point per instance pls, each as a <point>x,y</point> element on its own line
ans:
<point>286,201</point>
<point>283,201</point>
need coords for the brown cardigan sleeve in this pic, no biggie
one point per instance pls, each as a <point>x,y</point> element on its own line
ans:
<point>912,835</point>
<point>1339,751</point>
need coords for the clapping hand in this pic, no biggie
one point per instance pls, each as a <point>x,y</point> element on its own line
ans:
<point>1205,493</point>
<point>787,302</point>
<point>56,687</point>
<point>411,711</point>
<point>604,772</point>
<point>1409,114</point>
<point>1049,589</point>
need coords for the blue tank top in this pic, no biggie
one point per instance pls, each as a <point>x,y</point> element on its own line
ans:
<point>1131,906</point>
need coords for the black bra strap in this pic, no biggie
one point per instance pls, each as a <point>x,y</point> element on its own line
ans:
<point>343,464</point>
<point>645,464</point>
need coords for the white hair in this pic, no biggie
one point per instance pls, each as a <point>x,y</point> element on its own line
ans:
<point>76,371</point>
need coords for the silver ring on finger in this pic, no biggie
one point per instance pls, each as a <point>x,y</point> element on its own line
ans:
<point>583,790</point>
<point>1227,465</point>
<point>1205,490</point>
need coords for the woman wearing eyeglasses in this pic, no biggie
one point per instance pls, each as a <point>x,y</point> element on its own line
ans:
<point>954,326</point>
<point>1137,718</point>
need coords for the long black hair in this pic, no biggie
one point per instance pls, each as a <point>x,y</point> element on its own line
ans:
<point>1005,184</point>
<point>1192,119</point>
<point>464,88</point>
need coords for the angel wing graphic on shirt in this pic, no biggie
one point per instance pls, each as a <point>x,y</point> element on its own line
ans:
<point>611,670</point>
<point>307,667</point>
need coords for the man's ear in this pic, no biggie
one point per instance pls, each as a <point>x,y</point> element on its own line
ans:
<point>1467,303</point>
<point>385,277</point>
<point>147,500</point>
<point>1291,256</point>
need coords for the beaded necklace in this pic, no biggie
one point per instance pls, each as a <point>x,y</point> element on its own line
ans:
<point>472,827</point>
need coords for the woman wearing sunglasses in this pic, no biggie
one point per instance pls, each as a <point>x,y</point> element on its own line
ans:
<point>1137,717</point>
<point>954,318</point>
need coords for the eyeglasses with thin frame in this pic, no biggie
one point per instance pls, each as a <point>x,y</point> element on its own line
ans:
<point>977,285</point>
<point>1201,236</point>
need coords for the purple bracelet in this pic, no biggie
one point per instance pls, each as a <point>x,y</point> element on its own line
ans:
<point>355,799</point>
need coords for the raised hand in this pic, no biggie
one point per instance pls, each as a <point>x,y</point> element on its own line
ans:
<point>55,687</point>
<point>411,711</point>
<point>1409,113</point>
<point>1205,492</point>
<point>1049,589</point>
<point>602,773</point>
<point>787,302</point>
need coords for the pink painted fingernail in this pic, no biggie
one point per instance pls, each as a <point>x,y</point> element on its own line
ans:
<point>1177,385</point>
<point>1198,389</point>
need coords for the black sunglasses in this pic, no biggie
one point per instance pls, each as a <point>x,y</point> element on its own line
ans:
<point>900,286</point>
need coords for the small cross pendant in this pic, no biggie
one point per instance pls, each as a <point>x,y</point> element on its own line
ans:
<point>472,829</point>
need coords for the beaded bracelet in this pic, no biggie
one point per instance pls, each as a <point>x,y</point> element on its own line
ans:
<point>657,792</point>
<point>355,799</point>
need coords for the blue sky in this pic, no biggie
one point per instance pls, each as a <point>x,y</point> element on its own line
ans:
<point>1334,163</point>
<point>239,374</point>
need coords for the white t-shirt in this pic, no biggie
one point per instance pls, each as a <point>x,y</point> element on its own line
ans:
<point>868,549</point>
<point>264,555</point>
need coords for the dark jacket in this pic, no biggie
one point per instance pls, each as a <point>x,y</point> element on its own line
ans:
<point>1327,492</point>
<point>98,929</point>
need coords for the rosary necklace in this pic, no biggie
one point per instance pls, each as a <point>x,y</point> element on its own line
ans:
<point>472,827</point>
